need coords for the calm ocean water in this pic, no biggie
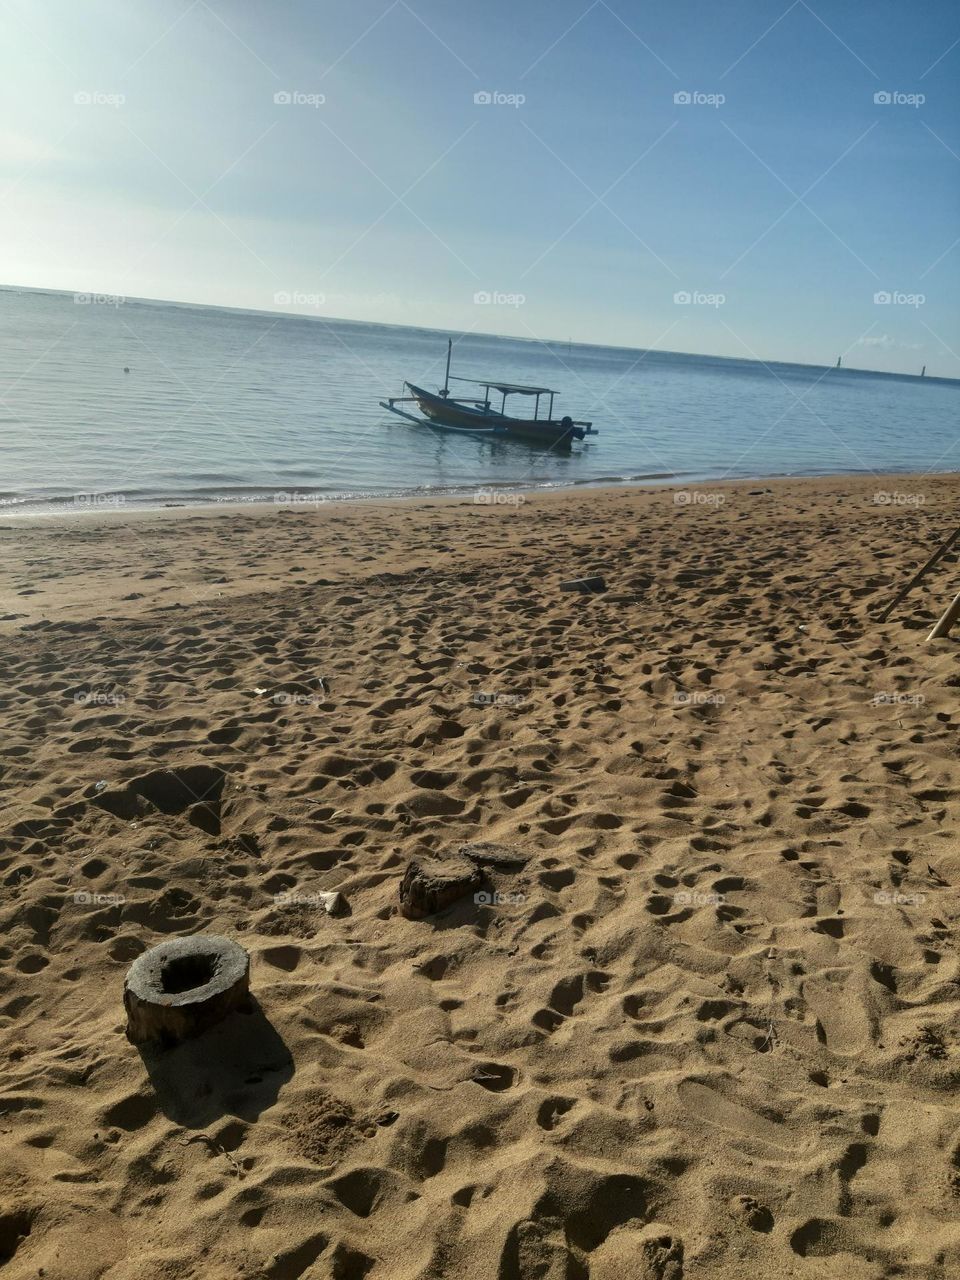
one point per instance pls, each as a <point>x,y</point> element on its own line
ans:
<point>227,405</point>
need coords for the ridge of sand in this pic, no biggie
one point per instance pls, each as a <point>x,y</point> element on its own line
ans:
<point>710,1029</point>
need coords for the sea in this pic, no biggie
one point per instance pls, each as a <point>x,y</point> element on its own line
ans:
<point>108,401</point>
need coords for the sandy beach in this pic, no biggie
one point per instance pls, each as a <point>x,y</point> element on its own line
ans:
<point>700,1022</point>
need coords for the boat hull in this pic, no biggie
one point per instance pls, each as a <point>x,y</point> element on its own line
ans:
<point>451,413</point>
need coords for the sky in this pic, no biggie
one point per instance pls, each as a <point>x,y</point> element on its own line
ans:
<point>768,179</point>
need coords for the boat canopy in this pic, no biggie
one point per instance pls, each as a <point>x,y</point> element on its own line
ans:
<point>507,388</point>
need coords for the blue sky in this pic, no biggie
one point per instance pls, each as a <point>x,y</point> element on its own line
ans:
<point>142,153</point>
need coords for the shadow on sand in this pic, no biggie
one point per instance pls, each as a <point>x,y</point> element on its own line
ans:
<point>237,1068</point>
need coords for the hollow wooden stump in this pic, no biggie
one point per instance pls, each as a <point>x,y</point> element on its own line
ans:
<point>180,988</point>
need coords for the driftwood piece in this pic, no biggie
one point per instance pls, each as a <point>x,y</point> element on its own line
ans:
<point>485,854</point>
<point>177,990</point>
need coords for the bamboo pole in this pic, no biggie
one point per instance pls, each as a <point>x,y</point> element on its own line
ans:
<point>946,622</point>
<point>940,552</point>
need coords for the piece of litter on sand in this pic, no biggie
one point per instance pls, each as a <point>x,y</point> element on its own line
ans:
<point>334,904</point>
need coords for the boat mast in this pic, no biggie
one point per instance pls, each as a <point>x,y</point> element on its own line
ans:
<point>446,381</point>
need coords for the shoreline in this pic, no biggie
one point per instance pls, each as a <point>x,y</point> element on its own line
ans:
<point>124,562</point>
<point>303,500</point>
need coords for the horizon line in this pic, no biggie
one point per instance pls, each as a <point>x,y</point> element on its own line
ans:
<point>600,346</point>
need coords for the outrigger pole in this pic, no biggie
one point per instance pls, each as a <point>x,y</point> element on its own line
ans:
<point>946,622</point>
<point>940,552</point>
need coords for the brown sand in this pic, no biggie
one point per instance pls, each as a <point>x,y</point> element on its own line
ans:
<point>710,1029</point>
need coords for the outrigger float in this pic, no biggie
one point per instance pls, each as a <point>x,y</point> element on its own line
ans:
<point>476,416</point>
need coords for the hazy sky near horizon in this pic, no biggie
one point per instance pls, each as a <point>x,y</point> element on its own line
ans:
<point>334,158</point>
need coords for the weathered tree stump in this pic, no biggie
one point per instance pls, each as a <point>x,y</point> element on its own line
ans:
<point>181,988</point>
<point>430,884</point>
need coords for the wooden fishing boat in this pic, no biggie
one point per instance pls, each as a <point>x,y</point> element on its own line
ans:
<point>476,415</point>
